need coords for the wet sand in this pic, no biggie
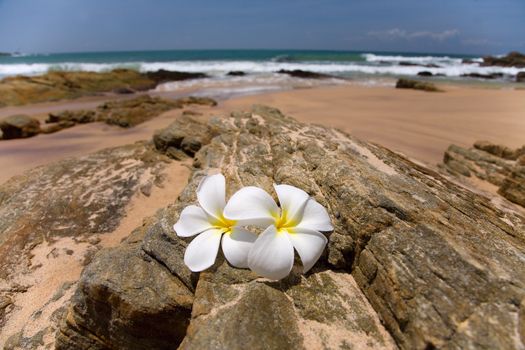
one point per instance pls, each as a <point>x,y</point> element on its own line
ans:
<point>418,124</point>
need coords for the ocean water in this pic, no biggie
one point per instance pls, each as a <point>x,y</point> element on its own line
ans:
<point>259,65</point>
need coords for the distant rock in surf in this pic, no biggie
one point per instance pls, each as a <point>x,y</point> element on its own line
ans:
<point>416,85</point>
<point>520,77</point>
<point>483,76</point>
<point>513,59</point>
<point>162,76</point>
<point>236,73</point>
<point>298,73</point>
<point>411,64</point>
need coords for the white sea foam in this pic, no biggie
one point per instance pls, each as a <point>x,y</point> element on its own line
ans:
<point>450,67</point>
<point>370,57</point>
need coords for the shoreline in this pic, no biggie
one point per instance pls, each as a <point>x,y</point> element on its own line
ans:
<point>417,124</point>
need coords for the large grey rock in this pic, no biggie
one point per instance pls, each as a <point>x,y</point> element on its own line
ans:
<point>137,302</point>
<point>415,261</point>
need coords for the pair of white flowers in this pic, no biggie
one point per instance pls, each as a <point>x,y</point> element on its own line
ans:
<point>297,223</point>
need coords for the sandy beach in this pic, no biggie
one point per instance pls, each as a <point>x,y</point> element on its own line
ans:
<point>418,124</point>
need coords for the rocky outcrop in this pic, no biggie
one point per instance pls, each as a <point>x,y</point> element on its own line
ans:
<point>58,85</point>
<point>416,85</point>
<point>520,77</point>
<point>497,164</point>
<point>128,113</point>
<point>298,73</point>
<point>124,113</point>
<point>19,126</point>
<point>52,220</point>
<point>414,262</point>
<point>513,59</point>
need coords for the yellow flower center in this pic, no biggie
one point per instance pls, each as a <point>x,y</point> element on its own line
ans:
<point>223,224</point>
<point>283,223</point>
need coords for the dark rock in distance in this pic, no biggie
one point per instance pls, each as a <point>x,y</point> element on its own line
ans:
<point>520,77</point>
<point>236,73</point>
<point>411,64</point>
<point>162,76</point>
<point>467,61</point>
<point>425,74</point>
<point>298,73</point>
<point>484,76</point>
<point>416,85</point>
<point>513,59</point>
<point>19,126</point>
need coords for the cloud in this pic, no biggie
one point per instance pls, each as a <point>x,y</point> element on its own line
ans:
<point>396,34</point>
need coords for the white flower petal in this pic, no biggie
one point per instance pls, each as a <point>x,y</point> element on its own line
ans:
<point>309,244</point>
<point>211,194</point>
<point>202,251</point>
<point>315,217</point>
<point>192,220</point>
<point>292,201</point>
<point>251,206</point>
<point>271,255</point>
<point>236,246</point>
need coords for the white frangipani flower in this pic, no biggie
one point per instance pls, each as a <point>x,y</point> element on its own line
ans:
<point>296,224</point>
<point>209,223</point>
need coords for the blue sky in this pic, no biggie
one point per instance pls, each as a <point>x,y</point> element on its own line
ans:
<point>447,26</point>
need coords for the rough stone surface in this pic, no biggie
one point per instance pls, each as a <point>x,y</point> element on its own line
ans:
<point>513,186</point>
<point>75,200</point>
<point>19,126</point>
<point>497,164</point>
<point>415,261</point>
<point>139,304</point>
<point>185,136</point>
<point>497,150</point>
